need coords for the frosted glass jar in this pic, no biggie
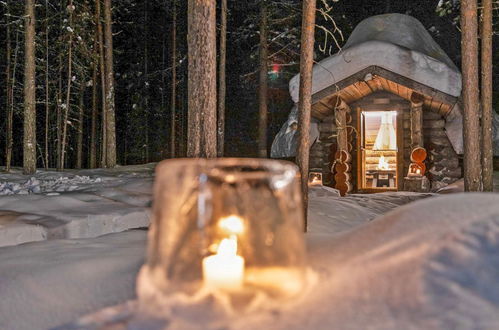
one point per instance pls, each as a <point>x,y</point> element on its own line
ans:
<point>231,225</point>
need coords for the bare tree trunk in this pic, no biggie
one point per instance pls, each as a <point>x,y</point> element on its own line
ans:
<point>9,90</point>
<point>174,81</point>
<point>263,88</point>
<point>93,123</point>
<point>202,84</point>
<point>70,8</point>
<point>102,72</point>
<point>79,133</point>
<point>486,102</point>
<point>110,110</point>
<point>469,44</point>
<point>146,82</point>
<point>47,91</point>
<point>305,103</point>
<point>221,80</point>
<point>29,147</point>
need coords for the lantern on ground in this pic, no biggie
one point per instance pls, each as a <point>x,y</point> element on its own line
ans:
<point>315,179</point>
<point>416,170</point>
<point>227,226</point>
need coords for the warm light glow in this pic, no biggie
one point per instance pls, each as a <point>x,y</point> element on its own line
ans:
<point>315,179</point>
<point>383,164</point>
<point>418,171</point>
<point>386,138</point>
<point>225,269</point>
<point>232,224</point>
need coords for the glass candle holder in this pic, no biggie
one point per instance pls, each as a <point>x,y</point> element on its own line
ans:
<point>226,225</point>
<point>315,179</point>
<point>416,170</point>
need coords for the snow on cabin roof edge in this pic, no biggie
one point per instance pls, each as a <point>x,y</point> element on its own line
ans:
<point>395,42</point>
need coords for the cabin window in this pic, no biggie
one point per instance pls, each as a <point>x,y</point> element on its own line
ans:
<point>378,150</point>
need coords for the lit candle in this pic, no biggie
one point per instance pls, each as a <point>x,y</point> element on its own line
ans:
<point>225,269</point>
<point>418,171</point>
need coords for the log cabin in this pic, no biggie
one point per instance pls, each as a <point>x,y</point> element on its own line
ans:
<point>386,112</point>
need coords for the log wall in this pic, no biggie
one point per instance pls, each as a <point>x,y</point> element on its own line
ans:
<point>443,166</point>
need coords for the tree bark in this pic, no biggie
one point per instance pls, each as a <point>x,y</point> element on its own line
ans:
<point>103,83</point>
<point>79,133</point>
<point>29,141</point>
<point>47,91</point>
<point>263,86</point>
<point>486,101</point>
<point>146,83</point>
<point>9,89</point>
<point>68,88</point>
<point>305,103</point>
<point>469,49</point>
<point>221,80</point>
<point>110,109</point>
<point>174,81</point>
<point>202,84</point>
<point>93,120</point>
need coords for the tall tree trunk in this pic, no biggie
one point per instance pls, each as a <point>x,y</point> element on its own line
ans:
<point>9,90</point>
<point>146,82</point>
<point>202,84</point>
<point>29,148</point>
<point>221,80</point>
<point>79,132</point>
<point>174,81</point>
<point>47,91</point>
<point>263,88</point>
<point>93,122</point>
<point>486,102</point>
<point>102,72</point>
<point>65,118</point>
<point>469,45</point>
<point>110,110</point>
<point>305,103</point>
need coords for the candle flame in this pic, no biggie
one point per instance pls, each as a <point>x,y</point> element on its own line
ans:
<point>227,247</point>
<point>383,164</point>
<point>232,224</point>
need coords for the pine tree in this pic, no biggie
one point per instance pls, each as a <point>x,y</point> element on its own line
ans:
<point>486,100</point>
<point>29,147</point>
<point>305,103</point>
<point>221,80</point>
<point>110,109</point>
<point>263,83</point>
<point>202,79</point>
<point>469,45</point>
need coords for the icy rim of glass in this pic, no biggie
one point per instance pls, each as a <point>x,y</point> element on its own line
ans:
<point>232,170</point>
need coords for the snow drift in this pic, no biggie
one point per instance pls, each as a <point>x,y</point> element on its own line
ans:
<point>432,264</point>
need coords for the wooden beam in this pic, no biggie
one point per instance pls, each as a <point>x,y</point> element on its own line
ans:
<point>417,101</point>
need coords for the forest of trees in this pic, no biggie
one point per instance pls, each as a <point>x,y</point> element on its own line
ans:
<point>91,83</point>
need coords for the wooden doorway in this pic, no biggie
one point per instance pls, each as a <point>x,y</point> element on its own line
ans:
<point>378,151</point>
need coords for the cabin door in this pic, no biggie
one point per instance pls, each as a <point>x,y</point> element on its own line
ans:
<point>378,151</point>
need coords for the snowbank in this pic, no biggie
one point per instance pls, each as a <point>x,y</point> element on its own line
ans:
<point>73,204</point>
<point>58,281</point>
<point>45,284</point>
<point>432,264</point>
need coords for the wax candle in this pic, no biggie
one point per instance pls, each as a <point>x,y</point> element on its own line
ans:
<point>225,269</point>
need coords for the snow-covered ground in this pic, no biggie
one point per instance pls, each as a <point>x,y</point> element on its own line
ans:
<point>432,264</point>
<point>73,204</point>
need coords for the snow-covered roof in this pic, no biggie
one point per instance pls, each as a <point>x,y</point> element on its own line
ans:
<point>396,43</point>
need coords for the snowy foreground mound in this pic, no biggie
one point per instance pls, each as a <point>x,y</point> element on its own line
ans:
<point>433,264</point>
